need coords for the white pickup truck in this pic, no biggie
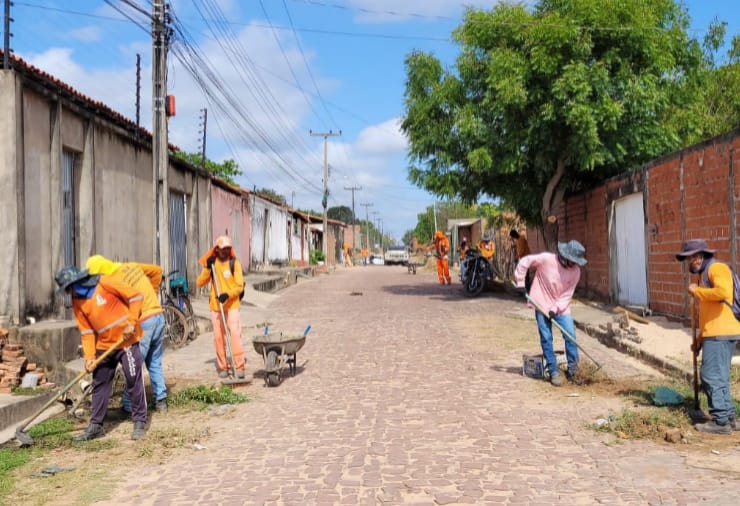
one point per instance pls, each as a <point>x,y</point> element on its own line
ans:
<point>396,255</point>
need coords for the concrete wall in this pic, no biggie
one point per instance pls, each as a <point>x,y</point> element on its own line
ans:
<point>11,199</point>
<point>231,216</point>
<point>114,201</point>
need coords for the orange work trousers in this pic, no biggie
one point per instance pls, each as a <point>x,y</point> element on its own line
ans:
<point>443,271</point>
<point>219,339</point>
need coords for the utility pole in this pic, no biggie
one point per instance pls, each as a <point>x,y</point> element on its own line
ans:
<point>138,94</point>
<point>367,225</point>
<point>160,158</point>
<point>203,139</point>
<point>7,35</point>
<point>325,198</point>
<point>375,221</point>
<point>354,218</point>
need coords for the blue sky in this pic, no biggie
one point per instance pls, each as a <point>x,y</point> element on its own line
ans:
<point>291,66</point>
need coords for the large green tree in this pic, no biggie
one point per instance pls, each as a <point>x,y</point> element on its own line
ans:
<point>341,213</point>
<point>227,170</point>
<point>547,100</point>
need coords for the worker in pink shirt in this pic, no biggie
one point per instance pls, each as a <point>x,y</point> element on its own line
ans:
<point>555,279</point>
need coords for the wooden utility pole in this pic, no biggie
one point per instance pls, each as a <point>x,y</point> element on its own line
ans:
<point>160,158</point>
<point>138,94</point>
<point>354,218</point>
<point>325,198</point>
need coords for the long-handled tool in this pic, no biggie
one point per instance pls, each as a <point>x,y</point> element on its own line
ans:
<point>566,334</point>
<point>696,414</point>
<point>20,434</point>
<point>233,379</point>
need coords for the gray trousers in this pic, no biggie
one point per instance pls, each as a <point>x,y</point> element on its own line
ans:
<point>131,362</point>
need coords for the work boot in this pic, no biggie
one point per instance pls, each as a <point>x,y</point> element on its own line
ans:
<point>161,406</point>
<point>556,379</point>
<point>139,430</point>
<point>713,428</point>
<point>93,431</point>
<point>732,422</point>
<point>240,374</point>
<point>223,374</point>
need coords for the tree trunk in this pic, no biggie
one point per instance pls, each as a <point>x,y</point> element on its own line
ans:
<point>551,203</point>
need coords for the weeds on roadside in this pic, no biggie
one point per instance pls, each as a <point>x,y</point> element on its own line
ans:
<point>200,396</point>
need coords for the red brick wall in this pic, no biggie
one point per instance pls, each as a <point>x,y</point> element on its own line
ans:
<point>694,193</point>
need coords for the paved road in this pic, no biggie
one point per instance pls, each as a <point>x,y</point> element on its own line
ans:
<point>401,400</point>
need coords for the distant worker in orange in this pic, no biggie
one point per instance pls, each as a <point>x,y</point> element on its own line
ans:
<point>463,248</point>
<point>347,255</point>
<point>521,249</point>
<point>222,258</point>
<point>486,247</point>
<point>441,245</point>
<point>364,253</point>
<point>521,246</point>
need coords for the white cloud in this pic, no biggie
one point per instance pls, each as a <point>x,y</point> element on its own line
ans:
<point>86,34</point>
<point>385,138</point>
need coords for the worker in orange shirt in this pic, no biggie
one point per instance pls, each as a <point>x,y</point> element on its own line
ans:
<point>146,279</point>
<point>347,255</point>
<point>441,246</point>
<point>486,247</point>
<point>106,310</point>
<point>231,287</point>
<point>364,253</point>
<point>464,246</point>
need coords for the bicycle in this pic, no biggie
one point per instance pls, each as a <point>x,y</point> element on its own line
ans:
<point>179,297</point>
<point>175,322</point>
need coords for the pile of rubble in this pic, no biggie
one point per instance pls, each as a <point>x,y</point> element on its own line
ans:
<point>16,370</point>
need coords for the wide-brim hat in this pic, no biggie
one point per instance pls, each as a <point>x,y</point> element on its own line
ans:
<point>573,251</point>
<point>487,236</point>
<point>693,246</point>
<point>70,274</point>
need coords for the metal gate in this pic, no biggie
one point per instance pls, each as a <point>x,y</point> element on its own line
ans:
<point>68,208</point>
<point>629,222</point>
<point>178,238</point>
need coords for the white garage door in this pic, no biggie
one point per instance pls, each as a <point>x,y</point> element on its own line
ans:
<point>629,221</point>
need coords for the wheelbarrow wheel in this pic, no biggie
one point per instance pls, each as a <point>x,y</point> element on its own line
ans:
<point>271,363</point>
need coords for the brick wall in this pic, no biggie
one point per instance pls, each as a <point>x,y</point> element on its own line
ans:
<point>694,193</point>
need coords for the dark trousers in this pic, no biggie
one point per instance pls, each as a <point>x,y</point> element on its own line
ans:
<point>131,362</point>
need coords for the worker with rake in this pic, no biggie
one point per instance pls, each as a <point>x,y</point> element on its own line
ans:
<point>441,246</point>
<point>220,261</point>
<point>719,332</point>
<point>107,312</point>
<point>146,279</point>
<point>555,279</point>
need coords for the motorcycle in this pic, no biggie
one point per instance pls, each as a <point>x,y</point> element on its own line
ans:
<point>475,272</point>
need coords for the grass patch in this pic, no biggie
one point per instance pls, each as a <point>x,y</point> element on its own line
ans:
<point>200,396</point>
<point>646,423</point>
<point>10,459</point>
<point>29,391</point>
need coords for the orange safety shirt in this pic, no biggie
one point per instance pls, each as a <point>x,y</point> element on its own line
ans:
<point>145,278</point>
<point>441,245</point>
<point>102,318</point>
<point>715,317</point>
<point>228,282</point>
<point>488,251</point>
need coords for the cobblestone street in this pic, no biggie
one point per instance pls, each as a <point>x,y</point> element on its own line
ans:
<point>398,400</point>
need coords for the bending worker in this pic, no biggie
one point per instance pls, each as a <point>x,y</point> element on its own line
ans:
<point>555,280</point>
<point>441,245</point>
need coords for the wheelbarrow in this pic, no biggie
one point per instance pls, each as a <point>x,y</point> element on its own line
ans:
<point>278,350</point>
